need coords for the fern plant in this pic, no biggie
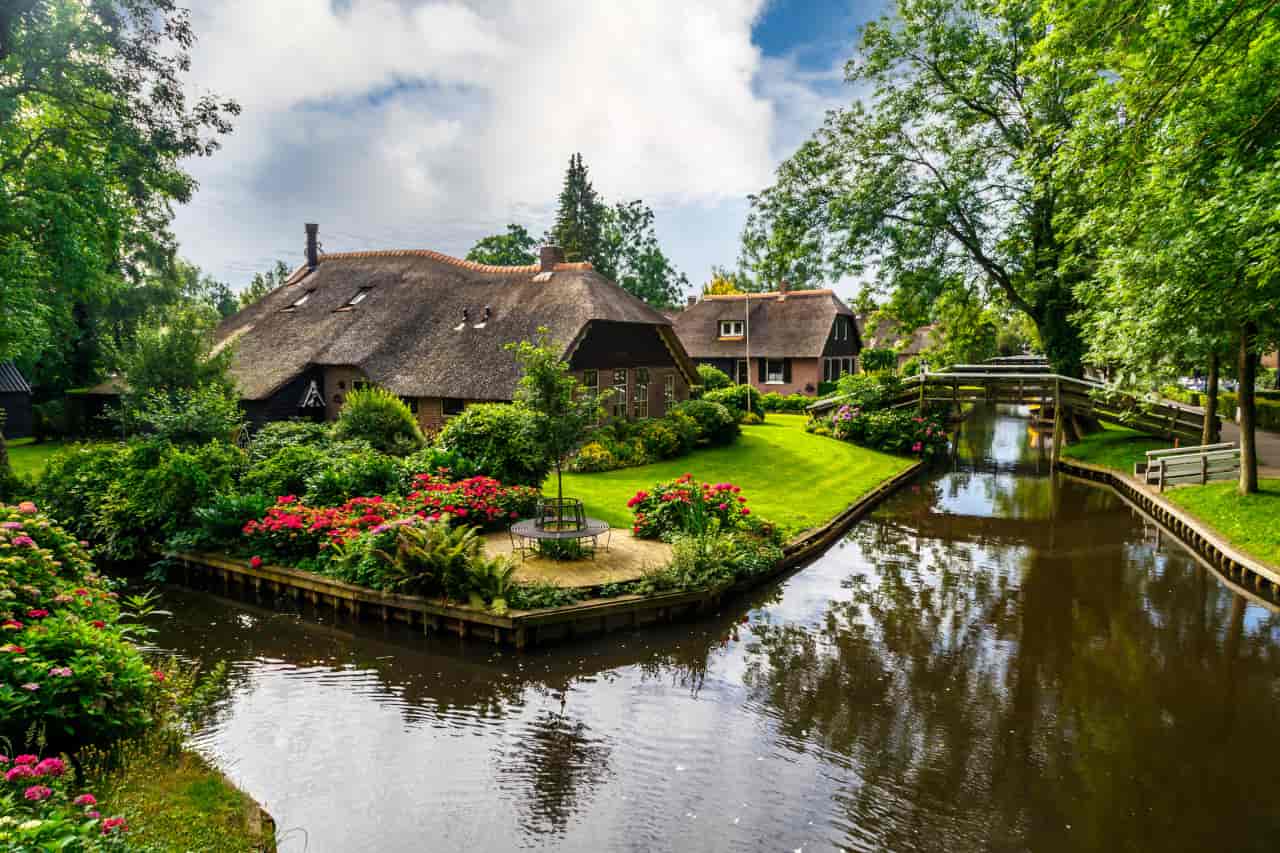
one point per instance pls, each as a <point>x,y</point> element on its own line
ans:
<point>431,556</point>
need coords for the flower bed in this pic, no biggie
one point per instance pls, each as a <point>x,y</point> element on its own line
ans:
<point>666,507</point>
<point>40,809</point>
<point>889,431</point>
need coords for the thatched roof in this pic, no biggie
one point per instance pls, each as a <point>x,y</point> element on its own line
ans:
<point>791,325</point>
<point>886,333</point>
<point>408,333</point>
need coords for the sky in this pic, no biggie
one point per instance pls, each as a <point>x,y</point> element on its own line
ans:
<point>426,124</point>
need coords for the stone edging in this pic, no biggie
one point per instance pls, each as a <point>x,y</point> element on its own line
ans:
<point>1191,531</point>
<point>525,627</point>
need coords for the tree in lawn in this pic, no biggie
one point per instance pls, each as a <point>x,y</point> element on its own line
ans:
<point>947,171</point>
<point>513,249</point>
<point>569,408</point>
<point>95,121</point>
<point>580,219</point>
<point>1177,145</point>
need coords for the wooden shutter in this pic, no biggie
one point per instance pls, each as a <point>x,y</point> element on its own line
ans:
<point>764,366</point>
<point>786,370</point>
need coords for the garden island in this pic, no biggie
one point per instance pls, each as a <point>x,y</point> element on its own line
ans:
<point>944,518</point>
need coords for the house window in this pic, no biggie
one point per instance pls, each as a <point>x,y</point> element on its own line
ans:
<point>774,371</point>
<point>668,391</point>
<point>359,297</point>
<point>300,301</point>
<point>411,402</point>
<point>591,381</point>
<point>620,392</point>
<point>730,328</point>
<point>641,407</point>
<point>742,373</point>
<point>451,406</point>
<point>834,368</point>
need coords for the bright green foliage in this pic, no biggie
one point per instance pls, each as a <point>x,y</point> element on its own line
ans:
<point>580,219</point>
<point>1247,521</point>
<point>944,172</point>
<point>68,671</point>
<point>566,409</point>
<point>868,391</point>
<point>502,439</point>
<point>795,479</point>
<point>513,249</point>
<point>95,120</point>
<point>712,378</point>
<point>273,437</point>
<point>429,558</point>
<point>1114,447</point>
<point>633,258</point>
<point>887,430</point>
<point>287,471</point>
<point>382,419</point>
<point>875,359</point>
<point>716,423</point>
<point>264,283</point>
<point>793,403</point>
<point>742,400</point>
<point>190,415</point>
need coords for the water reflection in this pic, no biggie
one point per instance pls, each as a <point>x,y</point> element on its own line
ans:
<point>996,660</point>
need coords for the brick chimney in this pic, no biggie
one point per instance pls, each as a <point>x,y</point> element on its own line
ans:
<point>693,300</point>
<point>313,246</point>
<point>549,256</point>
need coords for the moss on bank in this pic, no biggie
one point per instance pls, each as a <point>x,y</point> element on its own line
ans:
<point>174,800</point>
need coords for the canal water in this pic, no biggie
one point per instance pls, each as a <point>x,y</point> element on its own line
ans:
<point>996,659</point>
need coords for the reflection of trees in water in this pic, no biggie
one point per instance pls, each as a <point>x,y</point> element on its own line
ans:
<point>551,769</point>
<point>999,695</point>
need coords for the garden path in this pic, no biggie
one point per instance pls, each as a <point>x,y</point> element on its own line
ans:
<point>627,559</point>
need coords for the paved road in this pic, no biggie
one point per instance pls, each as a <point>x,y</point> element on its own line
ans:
<point>1268,447</point>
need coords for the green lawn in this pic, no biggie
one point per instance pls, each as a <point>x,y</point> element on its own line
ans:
<point>1248,521</point>
<point>788,476</point>
<point>28,459</point>
<point>1114,447</point>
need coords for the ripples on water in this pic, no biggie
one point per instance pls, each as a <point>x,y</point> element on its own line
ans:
<point>994,661</point>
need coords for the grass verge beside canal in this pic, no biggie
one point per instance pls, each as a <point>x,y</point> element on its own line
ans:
<point>1246,521</point>
<point>175,801</point>
<point>790,477</point>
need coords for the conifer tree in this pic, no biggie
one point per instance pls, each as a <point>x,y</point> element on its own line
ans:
<point>579,227</point>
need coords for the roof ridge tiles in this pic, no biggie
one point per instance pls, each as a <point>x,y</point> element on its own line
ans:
<point>435,256</point>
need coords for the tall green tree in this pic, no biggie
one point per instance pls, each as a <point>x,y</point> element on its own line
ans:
<point>513,249</point>
<point>580,219</point>
<point>1177,146</point>
<point>263,283</point>
<point>945,169</point>
<point>632,257</point>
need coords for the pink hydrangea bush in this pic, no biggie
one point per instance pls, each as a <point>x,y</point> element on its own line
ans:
<point>41,808</point>
<point>666,508</point>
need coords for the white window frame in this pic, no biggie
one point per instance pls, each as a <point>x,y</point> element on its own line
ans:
<point>731,328</point>
<point>360,296</point>
<point>300,301</point>
<point>769,374</point>
<point>741,367</point>
<point>620,392</point>
<point>668,392</point>
<point>640,393</point>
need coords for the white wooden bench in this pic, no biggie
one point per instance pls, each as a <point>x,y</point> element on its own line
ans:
<point>1198,464</point>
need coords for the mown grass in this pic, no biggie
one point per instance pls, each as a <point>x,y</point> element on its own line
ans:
<point>1250,522</point>
<point>29,459</point>
<point>1114,447</point>
<point>790,477</point>
<point>174,800</point>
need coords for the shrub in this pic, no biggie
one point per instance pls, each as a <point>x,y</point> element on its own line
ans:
<point>712,378</point>
<point>794,403</point>
<point>660,440</point>
<point>890,431</point>
<point>501,439</point>
<point>825,388</point>
<point>678,505</point>
<point>381,418</point>
<point>593,457</point>
<point>712,558</point>
<point>130,498</point>
<point>190,415</point>
<point>50,420</point>
<point>436,460</point>
<point>481,501</point>
<point>42,808</point>
<point>875,360</point>
<point>277,435</point>
<point>740,399</point>
<point>353,475</point>
<point>911,366</point>
<point>220,523</point>
<point>293,531</point>
<point>868,391</point>
<point>68,672</point>
<point>425,558</point>
<point>716,424</point>
<point>286,471</point>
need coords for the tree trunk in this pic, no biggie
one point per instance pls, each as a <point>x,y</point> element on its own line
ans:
<point>1210,434</point>
<point>1248,419</point>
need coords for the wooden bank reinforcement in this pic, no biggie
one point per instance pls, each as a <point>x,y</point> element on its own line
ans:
<point>520,628</point>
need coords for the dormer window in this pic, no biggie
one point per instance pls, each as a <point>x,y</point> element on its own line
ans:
<point>300,301</point>
<point>730,328</point>
<point>359,297</point>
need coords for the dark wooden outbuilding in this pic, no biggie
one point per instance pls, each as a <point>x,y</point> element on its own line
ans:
<point>15,401</point>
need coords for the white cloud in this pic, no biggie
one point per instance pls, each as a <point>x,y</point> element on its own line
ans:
<point>432,124</point>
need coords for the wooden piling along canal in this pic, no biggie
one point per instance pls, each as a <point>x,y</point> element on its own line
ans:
<point>520,628</point>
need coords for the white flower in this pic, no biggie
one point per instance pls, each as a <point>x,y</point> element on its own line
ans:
<point>31,824</point>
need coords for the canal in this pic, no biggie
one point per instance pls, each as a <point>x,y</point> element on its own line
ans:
<point>996,659</point>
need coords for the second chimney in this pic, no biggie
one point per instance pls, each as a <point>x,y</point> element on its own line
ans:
<point>549,256</point>
<point>313,246</point>
<point>693,300</point>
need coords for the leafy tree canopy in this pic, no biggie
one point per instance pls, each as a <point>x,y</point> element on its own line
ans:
<point>264,283</point>
<point>513,249</point>
<point>633,258</point>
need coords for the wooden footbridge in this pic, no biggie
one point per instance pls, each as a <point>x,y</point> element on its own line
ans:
<point>1026,381</point>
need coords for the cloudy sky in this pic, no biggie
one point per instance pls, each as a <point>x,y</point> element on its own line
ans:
<point>431,123</point>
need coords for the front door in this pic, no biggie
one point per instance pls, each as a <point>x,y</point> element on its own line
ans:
<point>742,375</point>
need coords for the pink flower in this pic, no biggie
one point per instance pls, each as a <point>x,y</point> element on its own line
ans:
<point>51,767</point>
<point>4,759</point>
<point>37,613</point>
<point>11,625</point>
<point>27,508</point>
<point>22,771</point>
<point>24,541</point>
<point>917,447</point>
<point>12,525</point>
<point>38,792</point>
<point>157,675</point>
<point>93,814</point>
<point>32,686</point>
<point>13,649</point>
<point>86,800</point>
<point>61,671</point>
<point>80,591</point>
<point>113,824</point>
<point>26,759</point>
<point>255,562</point>
<point>746,511</point>
<point>723,506</point>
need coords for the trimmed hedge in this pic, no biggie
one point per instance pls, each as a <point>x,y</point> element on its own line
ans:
<point>742,400</point>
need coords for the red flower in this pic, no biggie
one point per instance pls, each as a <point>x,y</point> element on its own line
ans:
<point>37,613</point>
<point>255,562</point>
<point>98,623</point>
<point>157,675</point>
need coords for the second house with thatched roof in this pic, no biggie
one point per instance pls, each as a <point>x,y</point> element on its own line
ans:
<point>433,329</point>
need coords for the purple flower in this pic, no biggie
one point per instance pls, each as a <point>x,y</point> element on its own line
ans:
<point>12,525</point>
<point>61,671</point>
<point>24,541</point>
